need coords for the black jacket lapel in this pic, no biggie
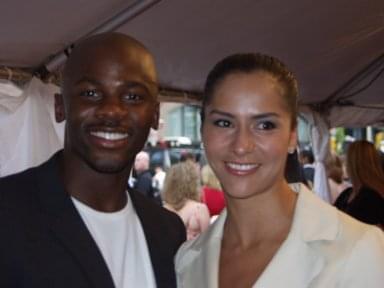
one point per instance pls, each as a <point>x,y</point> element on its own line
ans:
<point>68,227</point>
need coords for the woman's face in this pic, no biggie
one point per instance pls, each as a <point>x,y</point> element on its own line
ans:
<point>247,133</point>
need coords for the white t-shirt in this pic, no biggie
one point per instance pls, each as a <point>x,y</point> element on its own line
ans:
<point>122,243</point>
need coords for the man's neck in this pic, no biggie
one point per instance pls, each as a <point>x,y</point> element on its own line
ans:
<point>102,191</point>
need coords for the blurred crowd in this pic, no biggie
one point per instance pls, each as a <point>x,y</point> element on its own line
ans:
<point>191,191</point>
<point>356,183</point>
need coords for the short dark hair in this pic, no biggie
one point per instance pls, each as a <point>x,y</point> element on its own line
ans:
<point>307,154</point>
<point>248,63</point>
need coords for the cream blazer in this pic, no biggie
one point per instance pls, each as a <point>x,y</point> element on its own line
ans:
<point>325,248</point>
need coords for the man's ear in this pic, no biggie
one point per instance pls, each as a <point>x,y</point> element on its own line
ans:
<point>156,117</point>
<point>59,108</point>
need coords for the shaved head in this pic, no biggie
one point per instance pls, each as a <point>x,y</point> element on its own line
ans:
<point>111,45</point>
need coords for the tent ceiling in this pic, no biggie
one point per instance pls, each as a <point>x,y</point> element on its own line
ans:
<point>324,42</point>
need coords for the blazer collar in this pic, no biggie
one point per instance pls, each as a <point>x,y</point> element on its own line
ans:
<point>68,227</point>
<point>296,263</point>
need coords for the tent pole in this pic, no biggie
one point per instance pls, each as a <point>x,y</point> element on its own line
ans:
<point>110,25</point>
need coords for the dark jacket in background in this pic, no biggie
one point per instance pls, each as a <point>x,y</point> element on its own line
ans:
<point>143,184</point>
<point>367,206</point>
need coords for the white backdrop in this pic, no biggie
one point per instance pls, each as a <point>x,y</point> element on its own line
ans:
<point>29,134</point>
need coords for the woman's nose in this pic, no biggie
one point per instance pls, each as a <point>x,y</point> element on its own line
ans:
<point>244,142</point>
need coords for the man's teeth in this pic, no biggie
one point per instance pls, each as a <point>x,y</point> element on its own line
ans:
<point>242,167</point>
<point>110,135</point>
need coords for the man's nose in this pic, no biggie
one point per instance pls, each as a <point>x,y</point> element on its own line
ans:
<point>110,108</point>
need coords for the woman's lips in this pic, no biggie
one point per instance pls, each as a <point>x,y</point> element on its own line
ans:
<point>241,169</point>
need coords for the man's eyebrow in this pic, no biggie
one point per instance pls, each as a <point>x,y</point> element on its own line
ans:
<point>256,117</point>
<point>86,79</point>
<point>129,84</point>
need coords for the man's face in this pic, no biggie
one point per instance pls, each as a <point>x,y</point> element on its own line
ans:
<point>109,102</point>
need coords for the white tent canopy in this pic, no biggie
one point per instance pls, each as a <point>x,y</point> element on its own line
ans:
<point>326,43</point>
<point>335,48</point>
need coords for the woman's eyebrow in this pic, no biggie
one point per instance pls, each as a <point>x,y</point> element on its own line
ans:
<point>256,117</point>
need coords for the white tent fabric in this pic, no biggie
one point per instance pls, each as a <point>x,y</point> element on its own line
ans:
<point>29,133</point>
<point>320,147</point>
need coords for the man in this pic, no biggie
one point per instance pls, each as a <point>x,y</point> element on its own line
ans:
<point>70,222</point>
<point>143,182</point>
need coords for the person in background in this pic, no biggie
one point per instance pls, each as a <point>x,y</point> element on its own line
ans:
<point>294,171</point>
<point>365,199</point>
<point>71,222</point>
<point>159,178</point>
<point>182,195</point>
<point>143,178</point>
<point>269,235</point>
<point>306,158</point>
<point>212,195</point>
<point>336,177</point>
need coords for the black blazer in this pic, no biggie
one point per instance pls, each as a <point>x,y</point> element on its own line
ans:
<point>45,243</point>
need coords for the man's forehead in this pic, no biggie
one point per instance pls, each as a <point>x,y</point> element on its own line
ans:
<point>92,54</point>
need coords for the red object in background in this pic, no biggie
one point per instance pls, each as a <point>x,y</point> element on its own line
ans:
<point>214,199</point>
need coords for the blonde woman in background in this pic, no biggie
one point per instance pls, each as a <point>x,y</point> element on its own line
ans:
<point>212,194</point>
<point>335,173</point>
<point>181,193</point>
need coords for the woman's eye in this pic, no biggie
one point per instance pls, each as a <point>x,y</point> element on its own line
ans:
<point>267,125</point>
<point>222,123</point>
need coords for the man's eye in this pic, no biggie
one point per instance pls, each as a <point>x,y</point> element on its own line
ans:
<point>132,97</point>
<point>91,94</point>
<point>266,125</point>
<point>222,123</point>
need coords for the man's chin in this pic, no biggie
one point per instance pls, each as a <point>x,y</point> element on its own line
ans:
<point>108,168</point>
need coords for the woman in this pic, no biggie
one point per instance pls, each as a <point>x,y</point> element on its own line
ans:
<point>365,199</point>
<point>181,194</point>
<point>269,235</point>
<point>335,173</point>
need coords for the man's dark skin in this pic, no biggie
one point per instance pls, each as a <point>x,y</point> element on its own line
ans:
<point>109,102</point>
<point>110,106</point>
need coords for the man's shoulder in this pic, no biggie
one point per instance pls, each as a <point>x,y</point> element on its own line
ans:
<point>17,183</point>
<point>147,205</point>
<point>156,218</point>
<point>19,188</point>
<point>155,213</point>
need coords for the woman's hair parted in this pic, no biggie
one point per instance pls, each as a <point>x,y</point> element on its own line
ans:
<point>182,183</point>
<point>364,166</point>
<point>249,63</point>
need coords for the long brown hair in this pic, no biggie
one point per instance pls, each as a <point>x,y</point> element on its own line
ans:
<point>364,166</point>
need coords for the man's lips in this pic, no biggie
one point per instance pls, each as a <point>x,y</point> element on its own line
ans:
<point>110,136</point>
<point>109,139</point>
<point>241,169</point>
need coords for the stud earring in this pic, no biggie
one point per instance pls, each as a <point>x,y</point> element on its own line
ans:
<point>291,150</point>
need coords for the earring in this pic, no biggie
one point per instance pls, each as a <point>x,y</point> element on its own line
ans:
<point>291,150</point>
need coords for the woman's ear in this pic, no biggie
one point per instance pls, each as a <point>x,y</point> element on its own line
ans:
<point>59,108</point>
